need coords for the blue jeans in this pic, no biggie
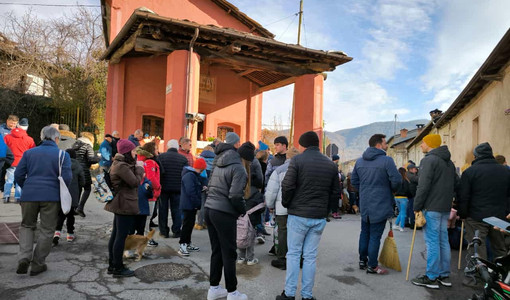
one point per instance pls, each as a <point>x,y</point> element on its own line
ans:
<point>436,241</point>
<point>8,185</point>
<point>410,212</point>
<point>303,236</point>
<point>370,241</point>
<point>402,210</point>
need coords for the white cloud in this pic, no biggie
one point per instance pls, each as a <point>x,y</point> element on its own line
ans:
<point>467,33</point>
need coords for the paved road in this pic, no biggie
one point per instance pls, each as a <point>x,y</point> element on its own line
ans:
<point>77,271</point>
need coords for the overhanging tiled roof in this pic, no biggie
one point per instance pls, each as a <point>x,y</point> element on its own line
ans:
<point>262,60</point>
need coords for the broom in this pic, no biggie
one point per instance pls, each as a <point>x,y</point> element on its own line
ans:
<point>389,253</point>
<point>411,252</point>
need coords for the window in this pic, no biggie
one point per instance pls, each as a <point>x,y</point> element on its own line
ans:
<point>153,125</point>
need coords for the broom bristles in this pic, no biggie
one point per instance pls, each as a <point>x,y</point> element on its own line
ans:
<point>389,255</point>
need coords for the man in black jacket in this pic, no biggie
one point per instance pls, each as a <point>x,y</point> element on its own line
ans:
<point>310,189</point>
<point>412,175</point>
<point>485,192</point>
<point>172,163</point>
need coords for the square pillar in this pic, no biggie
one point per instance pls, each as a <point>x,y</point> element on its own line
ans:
<point>114,119</point>
<point>254,115</point>
<point>176,92</point>
<point>308,106</point>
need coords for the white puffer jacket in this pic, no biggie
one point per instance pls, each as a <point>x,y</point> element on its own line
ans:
<point>273,194</point>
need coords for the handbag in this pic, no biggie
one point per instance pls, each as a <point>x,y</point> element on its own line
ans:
<point>65,196</point>
<point>419,219</point>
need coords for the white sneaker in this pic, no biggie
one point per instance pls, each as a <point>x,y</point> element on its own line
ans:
<point>401,229</point>
<point>396,227</point>
<point>240,261</point>
<point>216,292</point>
<point>252,262</point>
<point>237,296</point>
<point>183,250</point>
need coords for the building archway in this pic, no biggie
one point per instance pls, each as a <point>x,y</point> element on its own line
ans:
<point>224,128</point>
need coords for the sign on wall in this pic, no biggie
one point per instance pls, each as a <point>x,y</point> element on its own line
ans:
<point>207,89</point>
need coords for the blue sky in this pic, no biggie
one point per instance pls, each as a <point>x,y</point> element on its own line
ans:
<point>410,56</point>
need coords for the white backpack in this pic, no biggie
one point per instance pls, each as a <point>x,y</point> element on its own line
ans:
<point>245,230</point>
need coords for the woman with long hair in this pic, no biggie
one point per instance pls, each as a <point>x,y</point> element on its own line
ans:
<point>401,199</point>
<point>126,177</point>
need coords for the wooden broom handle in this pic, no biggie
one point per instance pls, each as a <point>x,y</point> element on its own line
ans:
<point>461,239</point>
<point>410,253</point>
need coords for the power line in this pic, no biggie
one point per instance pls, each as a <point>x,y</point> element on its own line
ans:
<point>54,5</point>
<point>280,20</point>
<point>281,36</point>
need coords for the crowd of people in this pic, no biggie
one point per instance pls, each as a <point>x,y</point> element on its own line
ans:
<point>233,190</point>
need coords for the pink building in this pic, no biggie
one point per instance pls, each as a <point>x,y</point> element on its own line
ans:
<point>172,63</point>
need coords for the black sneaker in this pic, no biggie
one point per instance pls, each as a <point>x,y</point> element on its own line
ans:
<point>284,297</point>
<point>425,281</point>
<point>313,298</point>
<point>55,240</point>
<point>444,281</point>
<point>152,243</point>
<point>122,272</point>
<point>152,224</point>
<point>80,212</point>
<point>23,266</point>
<point>36,270</point>
<point>363,265</point>
<point>279,263</point>
<point>176,235</point>
<point>272,251</point>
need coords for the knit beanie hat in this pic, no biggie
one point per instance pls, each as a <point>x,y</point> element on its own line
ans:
<point>173,144</point>
<point>335,157</point>
<point>125,146</point>
<point>247,151</point>
<point>483,150</point>
<point>232,138</point>
<point>308,139</point>
<point>263,146</point>
<point>200,164</point>
<point>432,140</point>
<point>282,140</point>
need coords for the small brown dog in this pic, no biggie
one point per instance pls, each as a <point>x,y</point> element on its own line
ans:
<point>138,243</point>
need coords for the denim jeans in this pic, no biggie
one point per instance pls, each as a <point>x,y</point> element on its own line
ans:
<point>402,210</point>
<point>370,241</point>
<point>436,241</point>
<point>410,212</point>
<point>8,185</point>
<point>303,236</point>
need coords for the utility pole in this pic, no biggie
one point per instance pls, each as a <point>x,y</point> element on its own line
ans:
<point>291,131</point>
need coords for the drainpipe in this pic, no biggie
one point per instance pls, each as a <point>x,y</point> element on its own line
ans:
<point>188,79</point>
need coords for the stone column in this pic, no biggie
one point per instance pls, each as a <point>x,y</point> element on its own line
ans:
<point>175,99</point>
<point>308,95</point>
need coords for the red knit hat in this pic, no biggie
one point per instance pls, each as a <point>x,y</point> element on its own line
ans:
<point>200,164</point>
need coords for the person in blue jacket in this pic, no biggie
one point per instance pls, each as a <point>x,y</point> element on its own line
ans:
<point>37,174</point>
<point>376,178</point>
<point>106,153</point>
<point>190,202</point>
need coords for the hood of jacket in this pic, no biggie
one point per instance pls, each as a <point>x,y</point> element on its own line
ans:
<point>186,170</point>
<point>120,157</point>
<point>372,153</point>
<point>441,152</point>
<point>18,133</point>
<point>227,155</point>
<point>86,141</point>
<point>207,154</point>
<point>64,134</point>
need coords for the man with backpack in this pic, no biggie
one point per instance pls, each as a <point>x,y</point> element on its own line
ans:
<point>310,189</point>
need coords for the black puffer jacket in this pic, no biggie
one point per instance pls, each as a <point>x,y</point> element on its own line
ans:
<point>484,190</point>
<point>85,155</point>
<point>437,182</point>
<point>172,164</point>
<point>311,188</point>
<point>227,183</point>
<point>404,190</point>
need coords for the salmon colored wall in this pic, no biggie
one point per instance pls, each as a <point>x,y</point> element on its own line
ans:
<point>200,11</point>
<point>144,90</point>
<point>115,99</point>
<point>308,106</point>
<point>232,96</point>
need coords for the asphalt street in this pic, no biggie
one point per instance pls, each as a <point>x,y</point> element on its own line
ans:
<point>78,270</point>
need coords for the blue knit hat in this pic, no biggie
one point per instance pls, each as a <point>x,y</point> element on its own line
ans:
<point>263,146</point>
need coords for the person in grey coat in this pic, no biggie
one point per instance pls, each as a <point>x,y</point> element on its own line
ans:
<point>224,204</point>
<point>436,189</point>
<point>273,198</point>
<point>68,137</point>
